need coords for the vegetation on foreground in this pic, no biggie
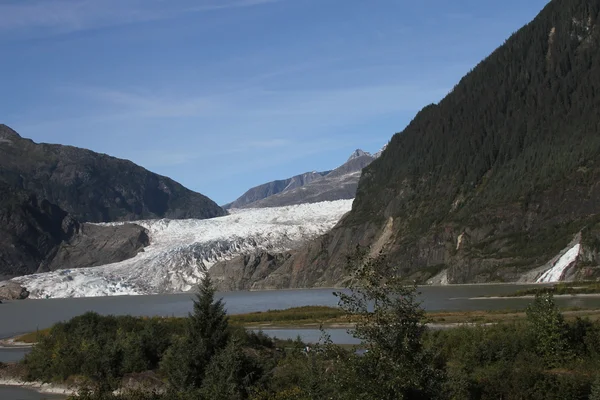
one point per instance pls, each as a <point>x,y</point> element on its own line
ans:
<point>541,356</point>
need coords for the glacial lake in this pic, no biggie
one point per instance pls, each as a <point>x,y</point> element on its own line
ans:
<point>17,317</point>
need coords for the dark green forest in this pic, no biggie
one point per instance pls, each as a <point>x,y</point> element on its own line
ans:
<point>509,156</point>
<point>204,357</point>
<point>522,120</point>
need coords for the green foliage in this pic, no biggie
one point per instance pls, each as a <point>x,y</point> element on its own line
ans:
<point>100,348</point>
<point>561,289</point>
<point>230,374</point>
<point>595,392</point>
<point>207,333</point>
<point>391,324</point>
<point>549,329</point>
<point>542,357</point>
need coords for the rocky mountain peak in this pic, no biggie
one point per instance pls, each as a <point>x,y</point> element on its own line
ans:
<point>358,153</point>
<point>7,133</point>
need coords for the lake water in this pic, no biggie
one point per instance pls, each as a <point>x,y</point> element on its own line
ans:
<point>14,393</point>
<point>17,317</point>
<point>23,316</point>
<point>9,355</point>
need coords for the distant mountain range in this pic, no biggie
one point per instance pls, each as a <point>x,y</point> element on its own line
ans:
<point>310,187</point>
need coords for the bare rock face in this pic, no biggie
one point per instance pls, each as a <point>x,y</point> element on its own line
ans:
<point>95,245</point>
<point>273,188</point>
<point>246,272</point>
<point>30,231</point>
<point>12,291</point>
<point>38,236</point>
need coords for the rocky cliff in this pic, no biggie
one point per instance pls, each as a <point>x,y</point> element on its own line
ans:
<point>493,182</point>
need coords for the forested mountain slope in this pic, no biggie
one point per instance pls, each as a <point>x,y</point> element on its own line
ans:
<point>494,180</point>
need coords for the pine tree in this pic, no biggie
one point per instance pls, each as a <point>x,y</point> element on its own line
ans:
<point>595,392</point>
<point>207,333</point>
<point>229,374</point>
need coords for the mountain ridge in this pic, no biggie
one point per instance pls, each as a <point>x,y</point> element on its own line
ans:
<point>337,184</point>
<point>95,187</point>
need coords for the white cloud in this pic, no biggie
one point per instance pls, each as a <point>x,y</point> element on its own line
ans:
<point>139,103</point>
<point>255,103</point>
<point>77,15</point>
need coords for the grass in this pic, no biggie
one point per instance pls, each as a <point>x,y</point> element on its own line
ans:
<point>303,316</point>
<point>32,337</point>
<point>560,289</point>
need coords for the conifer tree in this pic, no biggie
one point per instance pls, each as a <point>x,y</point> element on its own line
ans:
<point>207,333</point>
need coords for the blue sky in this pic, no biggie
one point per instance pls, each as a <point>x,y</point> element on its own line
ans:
<point>222,95</point>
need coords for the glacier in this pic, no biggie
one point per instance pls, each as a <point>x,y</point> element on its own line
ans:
<point>181,251</point>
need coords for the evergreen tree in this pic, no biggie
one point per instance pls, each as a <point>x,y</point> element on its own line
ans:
<point>595,393</point>
<point>229,374</point>
<point>206,334</point>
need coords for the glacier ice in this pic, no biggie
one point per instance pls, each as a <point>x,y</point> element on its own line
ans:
<point>181,251</point>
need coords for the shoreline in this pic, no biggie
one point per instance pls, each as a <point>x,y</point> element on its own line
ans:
<point>531,296</point>
<point>40,387</point>
<point>333,288</point>
<point>274,327</point>
<point>11,343</point>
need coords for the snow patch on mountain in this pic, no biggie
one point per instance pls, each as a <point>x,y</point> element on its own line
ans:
<point>181,251</point>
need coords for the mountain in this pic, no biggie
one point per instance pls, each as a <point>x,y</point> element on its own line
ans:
<point>50,191</point>
<point>37,236</point>
<point>94,187</point>
<point>338,184</point>
<point>272,188</point>
<point>181,251</point>
<point>500,181</point>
